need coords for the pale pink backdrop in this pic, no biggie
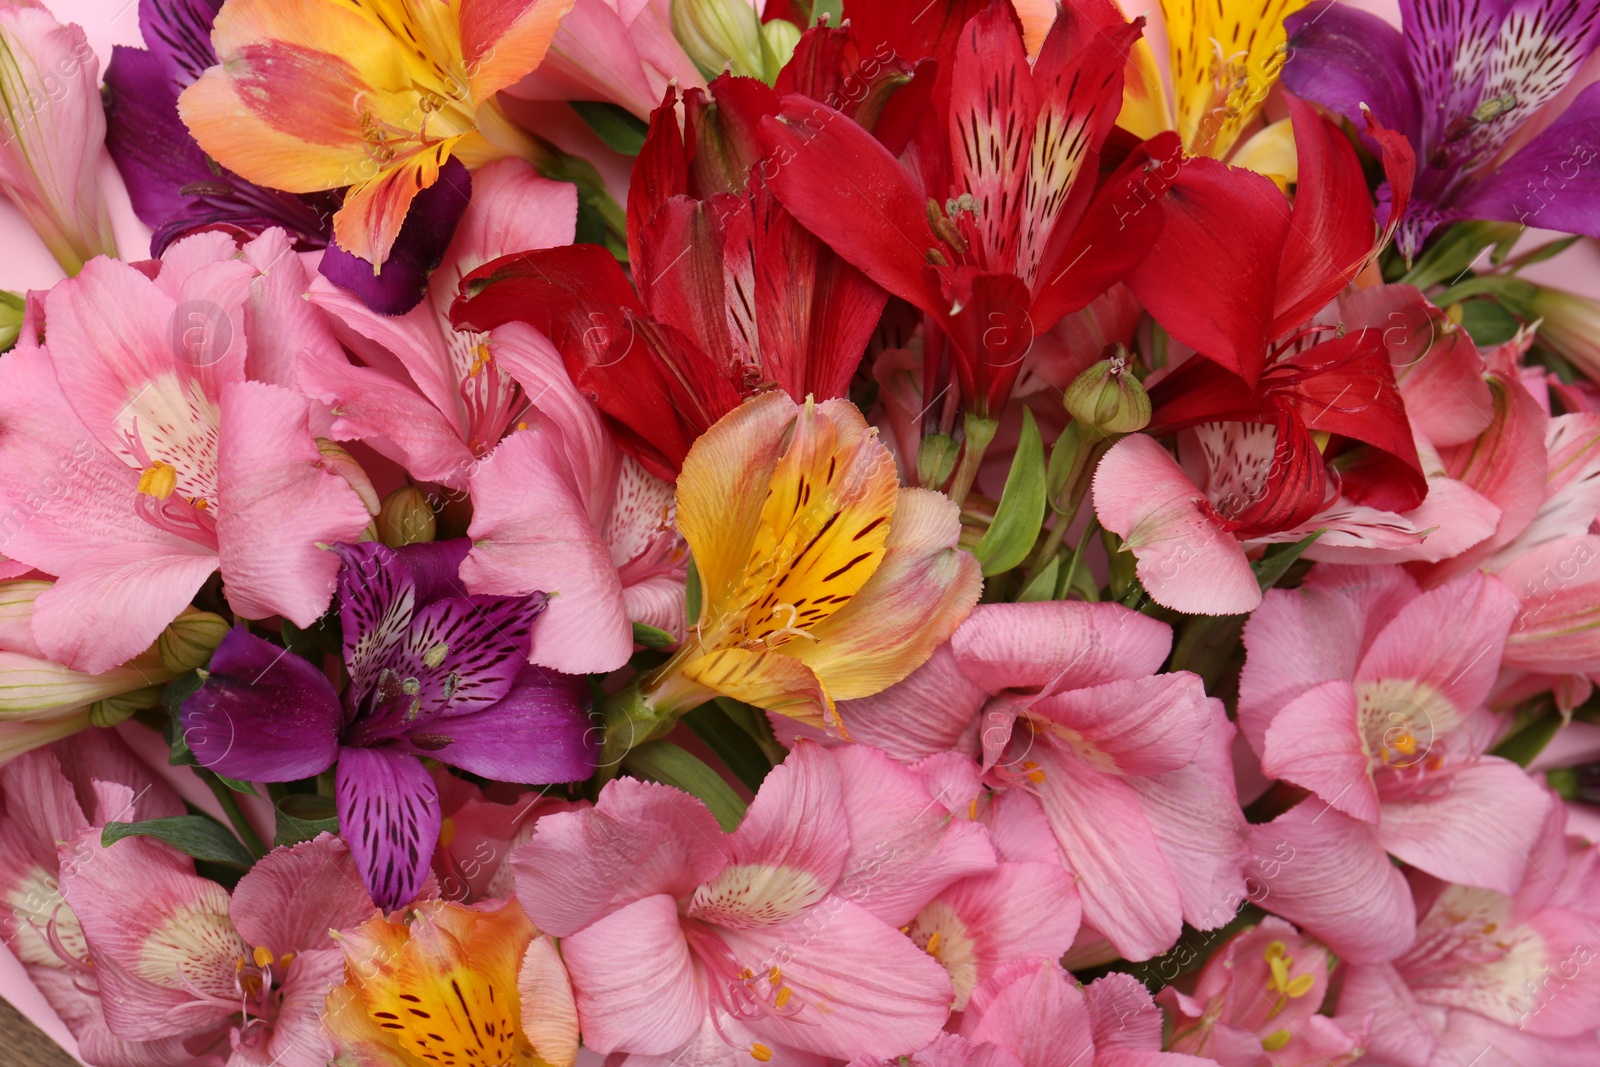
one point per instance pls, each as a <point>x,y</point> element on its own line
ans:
<point>26,265</point>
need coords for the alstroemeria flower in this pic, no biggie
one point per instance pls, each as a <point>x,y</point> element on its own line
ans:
<point>145,446</point>
<point>777,941</point>
<point>734,296</point>
<point>1130,768</point>
<point>322,95</point>
<point>430,397</point>
<point>1256,1004</point>
<point>433,672</point>
<point>1370,693</point>
<point>175,956</point>
<point>445,983</point>
<point>481,827</point>
<point>558,506</point>
<point>821,578</point>
<point>1503,978</point>
<point>51,129</point>
<point>48,797</point>
<point>1459,81</point>
<point>1015,235</point>
<point>1034,1014</point>
<point>623,54</point>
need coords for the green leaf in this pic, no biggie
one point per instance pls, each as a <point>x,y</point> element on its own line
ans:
<point>691,601</point>
<point>1535,725</point>
<point>1017,520</point>
<point>173,696</point>
<point>193,835</point>
<point>652,638</point>
<point>237,786</point>
<point>302,816</point>
<point>1452,254</point>
<point>737,750</point>
<point>1271,567</point>
<point>754,722</point>
<point>1487,323</point>
<point>621,130</point>
<point>664,762</point>
<point>1043,585</point>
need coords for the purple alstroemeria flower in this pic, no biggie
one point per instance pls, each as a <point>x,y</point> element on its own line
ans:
<point>176,190</point>
<point>433,672</point>
<point>1458,81</point>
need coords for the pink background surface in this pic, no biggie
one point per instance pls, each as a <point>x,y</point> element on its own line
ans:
<point>26,265</point>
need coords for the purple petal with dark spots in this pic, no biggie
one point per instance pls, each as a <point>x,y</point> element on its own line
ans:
<point>263,714</point>
<point>539,734</point>
<point>460,655</point>
<point>1341,58</point>
<point>430,224</point>
<point>389,815</point>
<point>1552,182</point>
<point>178,34</point>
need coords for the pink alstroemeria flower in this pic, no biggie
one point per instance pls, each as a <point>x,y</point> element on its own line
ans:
<point>1033,1014</point>
<point>430,397</point>
<point>1493,979</point>
<point>1131,768</point>
<point>621,53</point>
<point>140,451</point>
<point>558,507</point>
<point>46,797</point>
<point>176,957</point>
<point>778,940</point>
<point>1256,1004</point>
<point>480,829</point>
<point>1370,693</point>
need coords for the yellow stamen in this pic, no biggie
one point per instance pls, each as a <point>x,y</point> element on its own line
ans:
<point>481,359</point>
<point>435,655</point>
<point>200,503</point>
<point>775,976</point>
<point>521,426</point>
<point>972,810</point>
<point>1275,1040</point>
<point>286,959</point>
<point>760,1052</point>
<point>1034,775</point>
<point>158,480</point>
<point>238,965</point>
<point>1274,950</point>
<point>263,956</point>
<point>933,944</point>
<point>783,996</point>
<point>1300,986</point>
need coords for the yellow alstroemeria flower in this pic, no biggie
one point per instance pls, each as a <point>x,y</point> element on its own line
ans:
<point>445,983</point>
<point>822,579</point>
<point>376,95</point>
<point>1225,57</point>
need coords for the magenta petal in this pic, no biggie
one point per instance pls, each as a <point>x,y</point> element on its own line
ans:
<point>380,589</point>
<point>538,734</point>
<point>389,816</point>
<point>263,715</point>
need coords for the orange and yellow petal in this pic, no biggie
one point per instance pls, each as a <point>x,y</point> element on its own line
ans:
<point>765,679</point>
<point>1145,111</point>
<point>924,589</point>
<point>375,208</point>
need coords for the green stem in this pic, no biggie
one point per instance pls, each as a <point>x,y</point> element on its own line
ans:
<point>230,808</point>
<point>978,433</point>
<point>1077,555</point>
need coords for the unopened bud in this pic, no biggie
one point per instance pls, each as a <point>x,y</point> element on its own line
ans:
<point>342,463</point>
<point>406,518</point>
<point>10,319</point>
<point>779,36</point>
<point>189,640</point>
<point>1108,398</point>
<point>113,710</point>
<point>936,460</point>
<point>720,34</point>
<point>1570,327</point>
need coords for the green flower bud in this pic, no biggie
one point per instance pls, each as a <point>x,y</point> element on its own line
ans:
<point>779,36</point>
<point>11,317</point>
<point>936,459</point>
<point>189,640</point>
<point>720,34</point>
<point>406,518</point>
<point>113,710</point>
<point>1108,398</point>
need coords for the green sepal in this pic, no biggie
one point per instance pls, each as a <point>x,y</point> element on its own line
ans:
<point>193,835</point>
<point>664,762</point>
<point>1020,514</point>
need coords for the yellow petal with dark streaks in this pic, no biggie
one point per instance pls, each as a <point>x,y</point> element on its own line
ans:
<point>769,680</point>
<point>1144,97</point>
<point>1226,57</point>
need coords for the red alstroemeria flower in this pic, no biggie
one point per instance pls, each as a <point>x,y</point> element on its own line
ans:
<point>734,297</point>
<point>1001,231</point>
<point>1235,268</point>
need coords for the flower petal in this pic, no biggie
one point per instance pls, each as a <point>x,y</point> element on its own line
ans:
<point>389,816</point>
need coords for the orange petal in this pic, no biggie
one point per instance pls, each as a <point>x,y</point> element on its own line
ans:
<point>374,210</point>
<point>502,41</point>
